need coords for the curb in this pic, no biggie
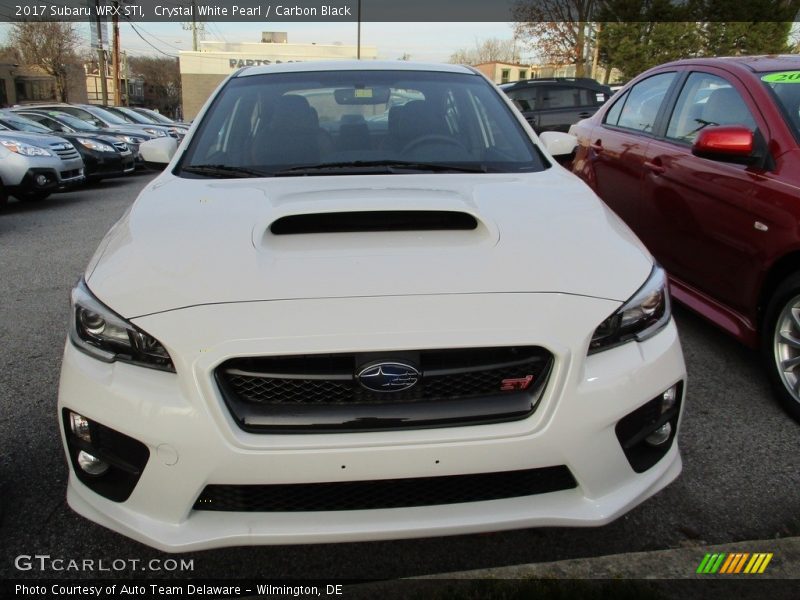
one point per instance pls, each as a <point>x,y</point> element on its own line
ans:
<point>678,563</point>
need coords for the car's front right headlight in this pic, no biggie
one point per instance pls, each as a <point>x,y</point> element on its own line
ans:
<point>641,317</point>
<point>103,334</point>
<point>24,149</point>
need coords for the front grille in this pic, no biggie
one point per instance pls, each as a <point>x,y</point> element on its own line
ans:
<point>65,151</point>
<point>323,391</point>
<point>121,146</point>
<point>386,493</point>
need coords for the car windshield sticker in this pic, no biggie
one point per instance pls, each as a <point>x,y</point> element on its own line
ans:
<point>782,77</point>
<point>363,93</point>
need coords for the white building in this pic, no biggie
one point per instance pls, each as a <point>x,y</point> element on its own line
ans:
<point>202,71</point>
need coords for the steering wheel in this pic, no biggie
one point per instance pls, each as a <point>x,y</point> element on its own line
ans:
<point>433,138</point>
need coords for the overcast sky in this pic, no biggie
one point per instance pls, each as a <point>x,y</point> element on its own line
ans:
<point>422,41</point>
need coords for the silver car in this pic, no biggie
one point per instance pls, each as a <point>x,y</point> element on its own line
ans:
<point>32,166</point>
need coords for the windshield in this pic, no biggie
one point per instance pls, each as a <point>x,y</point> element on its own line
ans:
<point>157,117</point>
<point>23,124</point>
<point>106,115</point>
<point>339,122</point>
<point>74,122</point>
<point>785,86</point>
<point>135,117</point>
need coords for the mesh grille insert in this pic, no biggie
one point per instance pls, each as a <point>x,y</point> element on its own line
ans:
<point>388,493</point>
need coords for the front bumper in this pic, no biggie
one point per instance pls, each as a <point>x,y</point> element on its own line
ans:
<point>107,164</point>
<point>193,441</point>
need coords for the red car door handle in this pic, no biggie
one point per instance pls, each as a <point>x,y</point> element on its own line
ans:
<point>655,167</point>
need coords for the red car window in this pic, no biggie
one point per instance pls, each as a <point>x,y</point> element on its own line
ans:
<point>705,101</point>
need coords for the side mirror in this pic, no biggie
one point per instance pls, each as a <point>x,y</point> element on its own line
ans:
<point>158,152</point>
<point>727,143</point>
<point>559,145</point>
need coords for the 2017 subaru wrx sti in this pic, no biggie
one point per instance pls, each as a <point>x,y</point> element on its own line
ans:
<point>362,302</point>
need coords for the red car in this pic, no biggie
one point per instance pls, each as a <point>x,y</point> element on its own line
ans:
<point>701,158</point>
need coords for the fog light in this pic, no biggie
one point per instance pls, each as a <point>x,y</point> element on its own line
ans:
<point>91,464</point>
<point>80,427</point>
<point>669,398</point>
<point>660,435</point>
<point>41,180</point>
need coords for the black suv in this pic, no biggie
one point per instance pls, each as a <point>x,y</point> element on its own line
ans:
<point>555,104</point>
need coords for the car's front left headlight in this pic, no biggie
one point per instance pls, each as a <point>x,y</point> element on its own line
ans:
<point>641,317</point>
<point>93,145</point>
<point>24,149</point>
<point>155,132</point>
<point>103,334</point>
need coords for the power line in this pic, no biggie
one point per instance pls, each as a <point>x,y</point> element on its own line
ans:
<point>148,42</point>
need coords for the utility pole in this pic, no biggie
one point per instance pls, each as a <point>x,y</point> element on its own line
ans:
<point>117,91</point>
<point>101,58</point>
<point>358,44</point>
<point>194,27</point>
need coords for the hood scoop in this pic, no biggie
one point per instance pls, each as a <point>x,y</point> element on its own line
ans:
<point>374,221</point>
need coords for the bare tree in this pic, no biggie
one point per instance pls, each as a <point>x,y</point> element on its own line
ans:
<point>162,78</point>
<point>491,50</point>
<point>559,31</point>
<point>50,45</point>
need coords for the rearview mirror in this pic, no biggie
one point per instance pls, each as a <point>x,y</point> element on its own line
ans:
<point>158,152</point>
<point>362,95</point>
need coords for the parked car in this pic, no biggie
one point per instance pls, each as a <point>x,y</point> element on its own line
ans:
<point>132,116</point>
<point>158,117</point>
<point>556,103</point>
<point>66,123</point>
<point>33,165</point>
<point>701,159</point>
<point>100,117</point>
<point>301,337</point>
<point>103,156</point>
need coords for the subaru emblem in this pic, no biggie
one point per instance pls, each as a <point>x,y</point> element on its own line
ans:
<point>388,377</point>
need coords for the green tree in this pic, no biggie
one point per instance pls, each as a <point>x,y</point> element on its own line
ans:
<point>637,46</point>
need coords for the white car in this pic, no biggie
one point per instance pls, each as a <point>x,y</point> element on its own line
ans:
<point>303,333</point>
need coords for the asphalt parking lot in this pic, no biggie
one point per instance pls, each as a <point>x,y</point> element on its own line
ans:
<point>741,478</point>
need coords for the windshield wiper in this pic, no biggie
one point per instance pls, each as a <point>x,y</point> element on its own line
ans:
<point>380,166</point>
<point>224,171</point>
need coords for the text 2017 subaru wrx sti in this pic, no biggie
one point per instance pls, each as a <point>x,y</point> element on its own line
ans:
<point>362,302</point>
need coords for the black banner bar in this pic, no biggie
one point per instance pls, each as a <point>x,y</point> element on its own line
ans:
<point>446,11</point>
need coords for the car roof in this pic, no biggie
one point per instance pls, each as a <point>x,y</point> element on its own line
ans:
<point>353,65</point>
<point>764,62</point>
<point>587,82</point>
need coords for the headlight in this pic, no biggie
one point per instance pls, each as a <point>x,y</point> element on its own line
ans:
<point>24,149</point>
<point>155,132</point>
<point>639,318</point>
<point>103,334</point>
<point>100,147</point>
<point>130,139</point>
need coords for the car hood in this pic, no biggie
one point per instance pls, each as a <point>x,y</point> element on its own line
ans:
<point>187,242</point>
<point>124,130</point>
<point>43,140</point>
